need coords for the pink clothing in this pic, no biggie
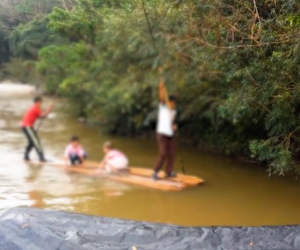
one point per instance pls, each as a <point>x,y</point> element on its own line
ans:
<point>112,154</point>
<point>116,159</point>
<point>71,150</point>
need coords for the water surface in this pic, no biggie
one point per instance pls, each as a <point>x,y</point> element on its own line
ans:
<point>234,193</point>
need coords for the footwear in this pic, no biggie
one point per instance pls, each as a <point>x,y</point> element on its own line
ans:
<point>171,175</point>
<point>26,158</point>
<point>43,160</point>
<point>154,176</point>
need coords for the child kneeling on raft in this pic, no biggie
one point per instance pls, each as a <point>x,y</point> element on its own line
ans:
<point>114,160</point>
<point>74,153</point>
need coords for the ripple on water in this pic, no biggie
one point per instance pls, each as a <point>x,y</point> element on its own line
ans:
<point>2,125</point>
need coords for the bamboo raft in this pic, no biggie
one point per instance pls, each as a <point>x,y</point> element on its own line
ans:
<point>137,176</point>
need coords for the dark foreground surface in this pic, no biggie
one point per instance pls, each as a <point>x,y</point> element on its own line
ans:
<point>35,229</point>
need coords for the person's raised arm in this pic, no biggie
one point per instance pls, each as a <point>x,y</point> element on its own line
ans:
<point>163,93</point>
<point>162,88</point>
<point>47,111</point>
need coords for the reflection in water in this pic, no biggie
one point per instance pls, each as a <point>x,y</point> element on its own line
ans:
<point>37,199</point>
<point>234,193</point>
<point>35,196</point>
<point>33,172</point>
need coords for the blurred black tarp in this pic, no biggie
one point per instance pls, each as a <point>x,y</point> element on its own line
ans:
<point>37,229</point>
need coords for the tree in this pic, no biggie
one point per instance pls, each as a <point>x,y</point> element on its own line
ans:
<point>233,65</point>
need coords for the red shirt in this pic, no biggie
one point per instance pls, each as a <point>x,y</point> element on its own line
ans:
<point>30,116</point>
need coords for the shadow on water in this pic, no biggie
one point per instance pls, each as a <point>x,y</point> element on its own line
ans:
<point>235,193</point>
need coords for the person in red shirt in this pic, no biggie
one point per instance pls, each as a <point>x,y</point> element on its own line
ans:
<point>29,118</point>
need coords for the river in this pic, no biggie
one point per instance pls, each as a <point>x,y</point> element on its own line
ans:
<point>234,193</point>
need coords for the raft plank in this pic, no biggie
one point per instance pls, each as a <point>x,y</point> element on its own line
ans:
<point>146,172</point>
<point>129,178</point>
<point>187,179</point>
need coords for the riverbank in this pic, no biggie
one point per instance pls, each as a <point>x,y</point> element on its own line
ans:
<point>9,87</point>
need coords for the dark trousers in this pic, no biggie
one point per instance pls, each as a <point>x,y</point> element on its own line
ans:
<point>166,147</point>
<point>33,142</point>
<point>76,160</point>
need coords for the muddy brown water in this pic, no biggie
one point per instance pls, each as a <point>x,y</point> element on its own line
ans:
<point>234,193</point>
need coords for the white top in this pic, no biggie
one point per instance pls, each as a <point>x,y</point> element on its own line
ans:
<point>164,124</point>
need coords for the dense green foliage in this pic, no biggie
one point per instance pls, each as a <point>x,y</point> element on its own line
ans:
<point>233,65</point>
<point>23,31</point>
<point>27,39</point>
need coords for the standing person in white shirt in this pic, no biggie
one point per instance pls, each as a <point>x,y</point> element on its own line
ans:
<point>165,131</point>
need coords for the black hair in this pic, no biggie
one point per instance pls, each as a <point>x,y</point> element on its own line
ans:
<point>172,98</point>
<point>74,138</point>
<point>37,99</point>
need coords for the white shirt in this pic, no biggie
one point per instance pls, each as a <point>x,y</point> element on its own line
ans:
<point>164,124</point>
